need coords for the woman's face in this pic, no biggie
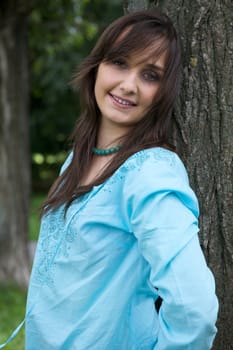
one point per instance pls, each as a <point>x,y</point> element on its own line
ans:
<point>126,87</point>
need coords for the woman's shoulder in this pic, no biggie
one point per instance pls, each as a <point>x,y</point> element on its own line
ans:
<point>155,161</point>
<point>158,171</point>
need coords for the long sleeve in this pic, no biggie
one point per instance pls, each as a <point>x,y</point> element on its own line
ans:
<point>163,214</point>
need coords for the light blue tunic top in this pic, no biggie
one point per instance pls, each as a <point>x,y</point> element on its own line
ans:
<point>98,272</point>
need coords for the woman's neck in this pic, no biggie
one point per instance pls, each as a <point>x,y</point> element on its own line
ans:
<point>110,135</point>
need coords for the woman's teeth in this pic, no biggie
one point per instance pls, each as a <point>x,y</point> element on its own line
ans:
<point>123,102</point>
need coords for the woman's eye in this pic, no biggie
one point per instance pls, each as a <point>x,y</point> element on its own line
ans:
<point>151,76</point>
<point>119,62</point>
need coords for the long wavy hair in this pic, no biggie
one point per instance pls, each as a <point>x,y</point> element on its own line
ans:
<point>149,32</point>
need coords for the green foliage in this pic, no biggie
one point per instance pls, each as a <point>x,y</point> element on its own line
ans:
<point>12,309</point>
<point>54,46</point>
<point>46,168</point>
<point>34,216</point>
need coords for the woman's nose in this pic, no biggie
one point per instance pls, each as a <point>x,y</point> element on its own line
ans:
<point>129,83</point>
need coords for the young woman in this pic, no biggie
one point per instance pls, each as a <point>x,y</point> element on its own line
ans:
<point>120,225</point>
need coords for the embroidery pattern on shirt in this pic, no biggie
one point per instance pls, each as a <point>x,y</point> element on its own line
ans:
<point>56,237</point>
<point>135,162</point>
<point>50,235</point>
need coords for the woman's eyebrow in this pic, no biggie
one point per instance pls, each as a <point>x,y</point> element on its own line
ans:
<point>155,66</point>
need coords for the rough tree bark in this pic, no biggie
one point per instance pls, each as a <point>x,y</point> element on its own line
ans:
<point>134,5</point>
<point>14,145</point>
<point>203,132</point>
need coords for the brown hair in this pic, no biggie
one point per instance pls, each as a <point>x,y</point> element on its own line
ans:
<point>147,31</point>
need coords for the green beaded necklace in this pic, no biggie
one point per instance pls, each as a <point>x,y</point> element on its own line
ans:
<point>105,152</point>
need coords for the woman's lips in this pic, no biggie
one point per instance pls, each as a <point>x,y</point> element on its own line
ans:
<point>119,101</point>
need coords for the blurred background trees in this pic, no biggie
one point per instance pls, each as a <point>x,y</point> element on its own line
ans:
<point>41,44</point>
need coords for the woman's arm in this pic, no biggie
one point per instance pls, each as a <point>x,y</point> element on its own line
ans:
<point>163,212</point>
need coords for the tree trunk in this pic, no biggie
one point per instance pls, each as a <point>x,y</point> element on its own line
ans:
<point>203,133</point>
<point>14,145</point>
<point>132,5</point>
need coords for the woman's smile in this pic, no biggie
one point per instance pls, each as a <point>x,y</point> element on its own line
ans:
<point>122,102</point>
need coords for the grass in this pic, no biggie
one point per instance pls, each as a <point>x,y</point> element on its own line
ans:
<point>12,309</point>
